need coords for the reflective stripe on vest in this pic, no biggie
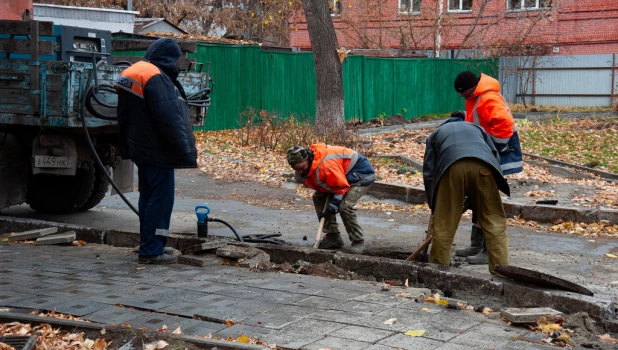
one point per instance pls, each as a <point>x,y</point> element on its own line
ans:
<point>353,159</point>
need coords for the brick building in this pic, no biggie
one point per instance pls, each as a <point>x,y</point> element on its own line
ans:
<point>475,27</point>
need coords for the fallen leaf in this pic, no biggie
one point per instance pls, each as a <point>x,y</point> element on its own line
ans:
<point>390,321</point>
<point>243,339</point>
<point>229,323</point>
<point>103,331</point>
<point>611,256</point>
<point>417,333</point>
<point>487,311</point>
<point>140,268</point>
<point>161,344</point>
<point>608,338</point>
<point>163,329</point>
<point>442,302</point>
<point>425,309</point>
<point>406,284</point>
<point>5,310</point>
<point>88,343</point>
<point>127,325</point>
<point>177,331</point>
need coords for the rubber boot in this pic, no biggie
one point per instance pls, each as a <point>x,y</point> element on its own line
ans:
<point>331,241</point>
<point>480,258</point>
<point>476,242</point>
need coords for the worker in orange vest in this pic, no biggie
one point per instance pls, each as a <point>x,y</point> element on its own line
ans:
<point>486,107</point>
<point>344,176</point>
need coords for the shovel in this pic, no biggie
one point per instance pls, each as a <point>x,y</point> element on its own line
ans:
<point>318,235</point>
<point>425,245</point>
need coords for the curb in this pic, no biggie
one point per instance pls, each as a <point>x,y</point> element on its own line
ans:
<point>460,283</point>
<point>538,212</point>
<point>604,174</point>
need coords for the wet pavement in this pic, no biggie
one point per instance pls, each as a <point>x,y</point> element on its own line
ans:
<point>106,285</point>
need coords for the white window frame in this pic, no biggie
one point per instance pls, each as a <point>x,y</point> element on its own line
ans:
<point>404,9</point>
<point>522,6</point>
<point>333,3</point>
<point>460,7</point>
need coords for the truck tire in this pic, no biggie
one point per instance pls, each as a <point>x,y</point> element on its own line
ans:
<point>101,184</point>
<point>61,194</point>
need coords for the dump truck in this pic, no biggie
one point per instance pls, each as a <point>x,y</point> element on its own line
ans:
<point>58,129</point>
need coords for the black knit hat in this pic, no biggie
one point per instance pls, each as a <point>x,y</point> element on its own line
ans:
<point>465,80</point>
<point>296,155</point>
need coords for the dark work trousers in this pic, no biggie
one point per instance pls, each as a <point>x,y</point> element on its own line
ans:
<point>156,201</point>
<point>472,178</point>
<point>347,211</point>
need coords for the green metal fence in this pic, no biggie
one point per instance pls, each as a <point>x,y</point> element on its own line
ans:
<point>247,77</point>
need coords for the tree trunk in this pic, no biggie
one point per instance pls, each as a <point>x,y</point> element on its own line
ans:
<point>329,113</point>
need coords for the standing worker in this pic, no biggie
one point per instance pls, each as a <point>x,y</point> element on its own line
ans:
<point>486,107</point>
<point>345,176</point>
<point>461,161</point>
<point>156,133</point>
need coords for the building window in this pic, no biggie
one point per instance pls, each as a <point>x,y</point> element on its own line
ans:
<point>335,7</point>
<point>410,6</point>
<point>460,5</point>
<point>528,4</point>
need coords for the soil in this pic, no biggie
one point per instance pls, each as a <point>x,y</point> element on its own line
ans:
<point>585,332</point>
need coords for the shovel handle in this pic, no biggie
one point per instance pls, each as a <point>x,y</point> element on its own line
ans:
<point>318,235</point>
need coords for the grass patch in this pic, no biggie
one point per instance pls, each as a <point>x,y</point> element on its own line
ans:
<point>590,142</point>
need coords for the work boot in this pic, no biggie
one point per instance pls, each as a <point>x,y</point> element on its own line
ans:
<point>157,259</point>
<point>480,258</point>
<point>476,242</point>
<point>166,250</point>
<point>358,247</point>
<point>331,241</point>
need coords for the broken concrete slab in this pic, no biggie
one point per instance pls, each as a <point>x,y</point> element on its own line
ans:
<point>609,215</point>
<point>542,279</point>
<point>260,261</point>
<point>528,315</point>
<point>238,252</point>
<point>519,295</point>
<point>192,260</point>
<point>511,209</point>
<point>62,238</point>
<point>210,244</point>
<point>567,302</point>
<point>32,234</point>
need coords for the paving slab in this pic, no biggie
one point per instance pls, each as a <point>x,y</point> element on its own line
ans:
<point>114,315</point>
<point>528,315</point>
<point>32,234</point>
<point>241,329</point>
<point>411,343</point>
<point>332,342</point>
<point>156,321</point>
<point>38,302</point>
<point>280,317</point>
<point>363,334</point>
<point>79,307</point>
<point>62,238</point>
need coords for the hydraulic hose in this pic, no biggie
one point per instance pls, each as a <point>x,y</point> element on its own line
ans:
<point>82,116</point>
<point>251,238</point>
<point>228,225</point>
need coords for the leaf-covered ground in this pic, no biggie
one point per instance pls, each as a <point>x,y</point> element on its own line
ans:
<point>575,141</point>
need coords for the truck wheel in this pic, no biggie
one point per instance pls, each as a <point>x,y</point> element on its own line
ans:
<point>101,184</point>
<point>61,194</point>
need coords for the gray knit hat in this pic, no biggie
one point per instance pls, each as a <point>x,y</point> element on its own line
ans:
<point>296,155</point>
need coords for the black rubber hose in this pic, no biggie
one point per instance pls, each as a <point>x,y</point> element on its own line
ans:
<point>228,225</point>
<point>89,140</point>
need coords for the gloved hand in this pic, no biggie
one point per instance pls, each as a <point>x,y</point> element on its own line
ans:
<point>331,209</point>
<point>459,114</point>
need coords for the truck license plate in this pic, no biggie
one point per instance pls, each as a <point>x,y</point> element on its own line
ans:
<point>54,162</point>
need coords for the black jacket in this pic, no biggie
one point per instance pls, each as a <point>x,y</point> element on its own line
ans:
<point>154,126</point>
<point>452,141</point>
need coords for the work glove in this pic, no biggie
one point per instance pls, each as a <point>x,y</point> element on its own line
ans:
<point>331,209</point>
<point>459,114</point>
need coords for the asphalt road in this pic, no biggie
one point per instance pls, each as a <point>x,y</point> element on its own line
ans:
<point>254,208</point>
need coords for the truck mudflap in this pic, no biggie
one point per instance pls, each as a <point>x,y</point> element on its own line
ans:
<point>14,170</point>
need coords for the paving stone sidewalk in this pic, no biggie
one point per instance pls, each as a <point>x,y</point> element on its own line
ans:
<point>105,284</point>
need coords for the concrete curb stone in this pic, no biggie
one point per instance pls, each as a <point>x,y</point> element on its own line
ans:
<point>552,213</point>
<point>404,193</point>
<point>83,233</point>
<point>512,209</point>
<point>383,269</point>
<point>449,279</point>
<point>280,254</point>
